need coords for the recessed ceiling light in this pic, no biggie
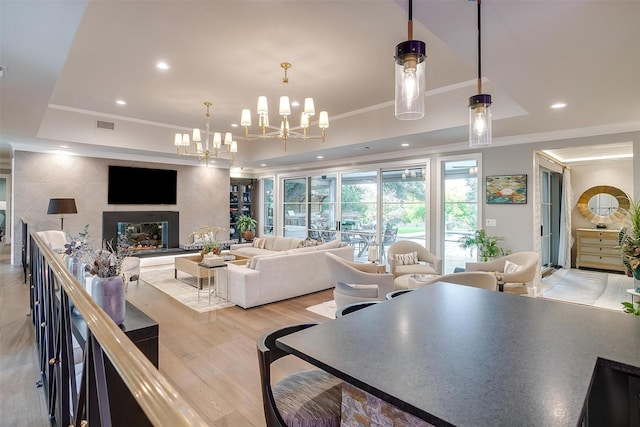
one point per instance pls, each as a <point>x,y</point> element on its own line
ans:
<point>558,105</point>
<point>405,144</point>
<point>263,164</point>
<point>320,157</point>
<point>64,146</point>
<point>121,102</point>
<point>295,104</point>
<point>234,125</point>
<point>162,65</point>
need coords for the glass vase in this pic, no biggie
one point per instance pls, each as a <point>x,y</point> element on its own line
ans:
<point>108,293</point>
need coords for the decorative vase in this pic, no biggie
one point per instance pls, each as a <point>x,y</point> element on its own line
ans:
<point>108,293</point>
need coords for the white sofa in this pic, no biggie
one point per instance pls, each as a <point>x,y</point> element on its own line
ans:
<point>275,275</point>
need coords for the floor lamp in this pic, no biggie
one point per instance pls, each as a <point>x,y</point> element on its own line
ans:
<point>61,207</point>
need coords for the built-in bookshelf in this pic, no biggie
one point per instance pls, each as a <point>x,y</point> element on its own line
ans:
<point>241,202</point>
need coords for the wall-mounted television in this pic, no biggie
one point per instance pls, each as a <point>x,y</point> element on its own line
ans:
<point>141,186</point>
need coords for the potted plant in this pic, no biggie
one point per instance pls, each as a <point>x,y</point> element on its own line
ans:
<point>629,240</point>
<point>211,248</point>
<point>246,226</point>
<point>487,245</point>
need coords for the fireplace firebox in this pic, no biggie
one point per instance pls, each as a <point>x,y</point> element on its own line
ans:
<point>142,230</point>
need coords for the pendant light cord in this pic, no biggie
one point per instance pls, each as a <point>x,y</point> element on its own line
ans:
<point>479,51</point>
<point>410,23</point>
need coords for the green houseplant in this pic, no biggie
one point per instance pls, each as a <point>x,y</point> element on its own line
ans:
<point>211,247</point>
<point>487,245</point>
<point>629,240</point>
<point>246,226</point>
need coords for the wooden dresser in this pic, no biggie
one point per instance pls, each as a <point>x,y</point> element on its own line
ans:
<point>597,248</point>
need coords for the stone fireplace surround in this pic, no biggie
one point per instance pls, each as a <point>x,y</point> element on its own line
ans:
<point>110,223</point>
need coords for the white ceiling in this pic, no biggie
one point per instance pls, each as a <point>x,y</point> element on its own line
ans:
<point>68,61</point>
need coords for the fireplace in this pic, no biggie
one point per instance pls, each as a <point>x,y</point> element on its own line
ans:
<point>142,231</point>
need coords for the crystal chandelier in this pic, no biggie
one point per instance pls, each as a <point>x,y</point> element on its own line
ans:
<point>284,131</point>
<point>221,147</point>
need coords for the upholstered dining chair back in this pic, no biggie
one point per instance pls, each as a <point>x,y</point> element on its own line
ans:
<point>357,282</point>
<point>304,398</point>
<point>406,247</point>
<point>356,306</point>
<point>476,279</point>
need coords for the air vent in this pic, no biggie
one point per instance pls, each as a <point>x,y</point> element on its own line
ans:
<point>105,125</point>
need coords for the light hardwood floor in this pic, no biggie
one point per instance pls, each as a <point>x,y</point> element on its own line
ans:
<point>209,357</point>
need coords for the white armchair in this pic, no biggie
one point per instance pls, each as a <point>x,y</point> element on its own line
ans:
<point>428,263</point>
<point>517,271</point>
<point>55,239</point>
<point>357,282</point>
<point>131,269</point>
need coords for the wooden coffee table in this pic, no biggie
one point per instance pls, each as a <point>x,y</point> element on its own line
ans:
<point>189,265</point>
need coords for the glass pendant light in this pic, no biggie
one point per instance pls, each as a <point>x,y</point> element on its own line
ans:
<point>479,106</point>
<point>410,75</point>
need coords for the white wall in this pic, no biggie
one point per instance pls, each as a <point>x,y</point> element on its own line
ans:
<point>202,194</point>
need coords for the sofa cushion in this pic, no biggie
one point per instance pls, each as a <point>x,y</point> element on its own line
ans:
<point>295,243</point>
<point>259,243</point>
<point>280,243</point>
<point>302,250</point>
<point>254,260</point>
<point>329,245</point>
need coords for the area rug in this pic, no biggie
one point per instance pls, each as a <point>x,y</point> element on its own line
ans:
<point>180,289</point>
<point>594,288</point>
<point>326,309</point>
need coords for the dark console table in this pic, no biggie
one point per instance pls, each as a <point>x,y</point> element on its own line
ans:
<point>456,355</point>
<point>143,332</point>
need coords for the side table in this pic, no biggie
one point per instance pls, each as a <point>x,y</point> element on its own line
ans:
<point>216,281</point>
<point>633,293</point>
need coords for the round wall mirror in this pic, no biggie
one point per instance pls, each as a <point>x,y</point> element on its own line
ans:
<point>603,204</point>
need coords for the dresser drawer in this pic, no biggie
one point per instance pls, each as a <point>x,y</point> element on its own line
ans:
<point>600,250</point>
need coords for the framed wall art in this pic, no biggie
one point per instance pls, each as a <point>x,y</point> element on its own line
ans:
<point>506,189</point>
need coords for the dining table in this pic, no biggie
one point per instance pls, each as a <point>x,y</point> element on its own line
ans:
<point>367,238</point>
<point>456,355</point>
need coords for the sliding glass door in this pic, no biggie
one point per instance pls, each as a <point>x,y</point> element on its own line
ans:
<point>294,208</point>
<point>322,207</point>
<point>404,208</point>
<point>459,193</point>
<point>359,211</point>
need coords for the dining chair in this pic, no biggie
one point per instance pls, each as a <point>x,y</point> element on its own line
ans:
<point>350,308</point>
<point>306,398</point>
<point>357,282</point>
<point>389,237</point>
<point>476,279</point>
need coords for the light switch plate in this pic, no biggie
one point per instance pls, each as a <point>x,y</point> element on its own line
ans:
<point>490,223</point>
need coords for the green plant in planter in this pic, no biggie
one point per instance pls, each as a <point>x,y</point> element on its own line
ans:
<point>246,226</point>
<point>487,245</point>
<point>211,247</point>
<point>629,238</point>
<point>628,308</point>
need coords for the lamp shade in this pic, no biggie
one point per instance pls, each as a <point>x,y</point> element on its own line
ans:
<point>480,121</point>
<point>62,206</point>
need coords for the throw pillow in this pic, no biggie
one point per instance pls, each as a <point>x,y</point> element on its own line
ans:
<point>308,242</point>
<point>259,243</point>
<point>510,267</point>
<point>407,259</point>
<point>320,241</point>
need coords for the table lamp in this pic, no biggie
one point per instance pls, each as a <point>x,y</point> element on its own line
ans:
<point>61,207</point>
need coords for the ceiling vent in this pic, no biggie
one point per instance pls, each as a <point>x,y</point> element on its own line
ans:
<point>105,125</point>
